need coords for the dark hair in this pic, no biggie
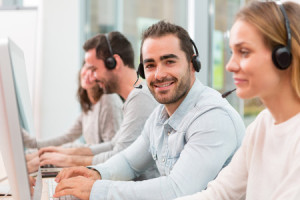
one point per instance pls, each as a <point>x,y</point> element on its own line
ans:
<point>269,21</point>
<point>82,95</point>
<point>119,44</point>
<point>163,28</point>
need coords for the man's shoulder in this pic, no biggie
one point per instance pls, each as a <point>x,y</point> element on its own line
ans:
<point>142,93</point>
<point>209,97</point>
<point>141,101</point>
<point>111,99</point>
<point>202,96</point>
<point>209,100</point>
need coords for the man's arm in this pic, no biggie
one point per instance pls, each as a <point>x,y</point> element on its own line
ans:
<point>135,116</point>
<point>203,156</point>
<point>80,151</point>
<point>129,163</point>
<point>78,181</point>
<point>63,160</point>
<point>109,116</point>
<point>230,184</point>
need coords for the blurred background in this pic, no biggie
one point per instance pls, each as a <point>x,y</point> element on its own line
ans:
<point>51,34</point>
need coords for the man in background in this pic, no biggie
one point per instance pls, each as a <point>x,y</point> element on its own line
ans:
<point>111,57</point>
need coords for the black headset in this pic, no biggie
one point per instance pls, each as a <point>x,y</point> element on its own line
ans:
<point>195,60</point>
<point>281,55</point>
<point>110,62</point>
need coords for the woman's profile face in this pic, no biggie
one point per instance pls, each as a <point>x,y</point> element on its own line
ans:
<point>254,73</point>
<point>87,80</point>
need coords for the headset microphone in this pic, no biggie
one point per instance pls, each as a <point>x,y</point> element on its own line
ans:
<point>225,94</point>
<point>139,86</point>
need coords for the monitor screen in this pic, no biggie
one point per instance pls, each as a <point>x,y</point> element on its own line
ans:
<point>21,88</point>
<point>15,116</point>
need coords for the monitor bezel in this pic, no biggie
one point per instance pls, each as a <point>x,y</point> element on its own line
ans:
<point>11,140</point>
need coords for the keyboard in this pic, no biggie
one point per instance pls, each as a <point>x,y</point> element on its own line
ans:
<point>51,190</point>
<point>48,166</point>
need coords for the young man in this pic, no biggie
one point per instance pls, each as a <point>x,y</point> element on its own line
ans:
<point>191,137</point>
<point>113,58</point>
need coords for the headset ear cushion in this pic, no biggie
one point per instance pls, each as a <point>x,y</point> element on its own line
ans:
<point>196,63</point>
<point>281,57</point>
<point>141,70</point>
<point>110,63</point>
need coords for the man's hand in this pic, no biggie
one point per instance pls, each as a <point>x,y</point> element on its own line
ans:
<point>33,164</point>
<point>56,159</point>
<point>78,186</point>
<point>77,171</point>
<point>55,149</point>
<point>83,151</point>
<point>32,184</point>
<point>63,160</point>
<point>30,156</point>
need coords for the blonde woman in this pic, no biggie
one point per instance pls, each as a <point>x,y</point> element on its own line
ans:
<point>265,61</point>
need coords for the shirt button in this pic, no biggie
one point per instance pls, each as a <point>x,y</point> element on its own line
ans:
<point>169,133</point>
<point>154,157</point>
<point>163,160</point>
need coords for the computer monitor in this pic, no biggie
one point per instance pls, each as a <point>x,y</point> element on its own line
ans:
<point>15,115</point>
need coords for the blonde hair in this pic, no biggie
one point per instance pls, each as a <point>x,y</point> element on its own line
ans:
<point>269,20</point>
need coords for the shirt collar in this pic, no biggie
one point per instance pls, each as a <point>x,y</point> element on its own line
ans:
<point>187,104</point>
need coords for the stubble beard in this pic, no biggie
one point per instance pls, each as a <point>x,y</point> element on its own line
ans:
<point>178,93</point>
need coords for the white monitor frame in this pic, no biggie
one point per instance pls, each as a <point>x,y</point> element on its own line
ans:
<point>10,130</point>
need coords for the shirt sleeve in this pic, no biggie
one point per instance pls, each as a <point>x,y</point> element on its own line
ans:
<point>207,149</point>
<point>123,166</point>
<point>134,118</point>
<point>72,134</point>
<point>29,141</point>
<point>231,182</point>
<point>110,116</point>
<point>102,147</point>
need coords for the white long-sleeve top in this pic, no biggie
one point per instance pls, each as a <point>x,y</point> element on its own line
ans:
<point>98,125</point>
<point>267,166</point>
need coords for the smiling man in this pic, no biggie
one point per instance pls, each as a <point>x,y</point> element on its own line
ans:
<point>190,137</point>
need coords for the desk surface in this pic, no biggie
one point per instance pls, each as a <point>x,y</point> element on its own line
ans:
<point>44,192</point>
<point>4,174</point>
<point>2,168</point>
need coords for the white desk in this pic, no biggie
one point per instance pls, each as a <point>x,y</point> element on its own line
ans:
<point>44,193</point>
<point>2,168</point>
<point>4,174</point>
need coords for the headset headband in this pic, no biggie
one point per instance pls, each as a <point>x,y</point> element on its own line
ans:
<point>287,24</point>
<point>108,44</point>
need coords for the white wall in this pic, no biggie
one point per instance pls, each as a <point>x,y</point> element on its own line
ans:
<point>49,36</point>
<point>21,26</point>
<point>58,62</point>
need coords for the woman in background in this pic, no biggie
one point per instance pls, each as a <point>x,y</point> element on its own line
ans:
<point>265,63</point>
<point>100,118</point>
<point>99,121</point>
